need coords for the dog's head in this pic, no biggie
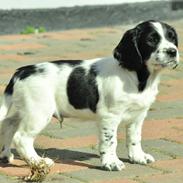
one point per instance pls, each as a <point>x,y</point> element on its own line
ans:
<point>151,43</point>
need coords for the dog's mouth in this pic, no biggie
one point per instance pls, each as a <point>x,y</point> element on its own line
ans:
<point>171,64</point>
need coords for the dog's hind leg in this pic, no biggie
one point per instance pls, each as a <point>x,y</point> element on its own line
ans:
<point>8,127</point>
<point>30,126</point>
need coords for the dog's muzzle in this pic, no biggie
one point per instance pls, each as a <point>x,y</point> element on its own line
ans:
<point>173,58</point>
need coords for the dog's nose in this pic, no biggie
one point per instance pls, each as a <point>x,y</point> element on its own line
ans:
<point>172,52</point>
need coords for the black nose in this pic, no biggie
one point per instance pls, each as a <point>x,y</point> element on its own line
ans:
<point>172,52</point>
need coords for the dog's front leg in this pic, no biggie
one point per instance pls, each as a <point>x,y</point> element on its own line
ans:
<point>133,142</point>
<point>108,144</point>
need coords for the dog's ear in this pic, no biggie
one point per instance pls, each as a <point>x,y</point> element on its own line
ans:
<point>127,52</point>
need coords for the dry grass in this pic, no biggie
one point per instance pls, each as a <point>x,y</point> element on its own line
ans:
<point>38,171</point>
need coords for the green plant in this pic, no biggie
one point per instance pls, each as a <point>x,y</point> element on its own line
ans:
<point>33,30</point>
<point>41,29</point>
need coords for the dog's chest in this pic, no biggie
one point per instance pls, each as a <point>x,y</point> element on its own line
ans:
<point>141,100</point>
<point>135,104</point>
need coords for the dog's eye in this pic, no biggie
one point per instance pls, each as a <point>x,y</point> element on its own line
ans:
<point>153,39</point>
<point>171,36</point>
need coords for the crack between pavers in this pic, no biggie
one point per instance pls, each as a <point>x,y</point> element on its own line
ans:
<point>173,156</point>
<point>170,140</point>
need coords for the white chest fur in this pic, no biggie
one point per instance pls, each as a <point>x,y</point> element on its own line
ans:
<point>122,95</point>
<point>136,103</point>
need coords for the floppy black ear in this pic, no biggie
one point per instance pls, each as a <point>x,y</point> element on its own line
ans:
<point>127,52</point>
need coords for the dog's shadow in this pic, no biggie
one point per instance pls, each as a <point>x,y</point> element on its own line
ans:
<point>69,157</point>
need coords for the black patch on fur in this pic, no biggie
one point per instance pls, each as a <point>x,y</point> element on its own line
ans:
<point>102,153</point>
<point>105,128</point>
<point>136,46</point>
<point>142,76</point>
<point>26,71</point>
<point>108,138</point>
<point>170,33</point>
<point>69,62</point>
<point>82,88</point>
<point>4,160</point>
<point>21,74</point>
<point>9,87</point>
<point>127,52</point>
<point>148,40</point>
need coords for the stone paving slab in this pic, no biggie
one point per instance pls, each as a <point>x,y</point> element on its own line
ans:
<point>163,178</point>
<point>162,110</point>
<point>66,131</point>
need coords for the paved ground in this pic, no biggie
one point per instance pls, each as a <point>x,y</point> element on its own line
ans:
<point>73,147</point>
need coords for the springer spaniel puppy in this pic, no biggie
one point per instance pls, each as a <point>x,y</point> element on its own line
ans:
<point>111,90</point>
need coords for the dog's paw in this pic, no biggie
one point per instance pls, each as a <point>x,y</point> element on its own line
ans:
<point>6,157</point>
<point>40,161</point>
<point>112,164</point>
<point>48,161</point>
<point>39,169</point>
<point>141,158</point>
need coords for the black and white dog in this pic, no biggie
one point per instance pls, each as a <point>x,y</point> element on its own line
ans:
<point>109,90</point>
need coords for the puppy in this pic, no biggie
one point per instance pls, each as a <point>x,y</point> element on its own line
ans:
<point>111,90</point>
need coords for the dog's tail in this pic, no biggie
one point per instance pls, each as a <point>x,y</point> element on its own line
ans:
<point>5,105</point>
